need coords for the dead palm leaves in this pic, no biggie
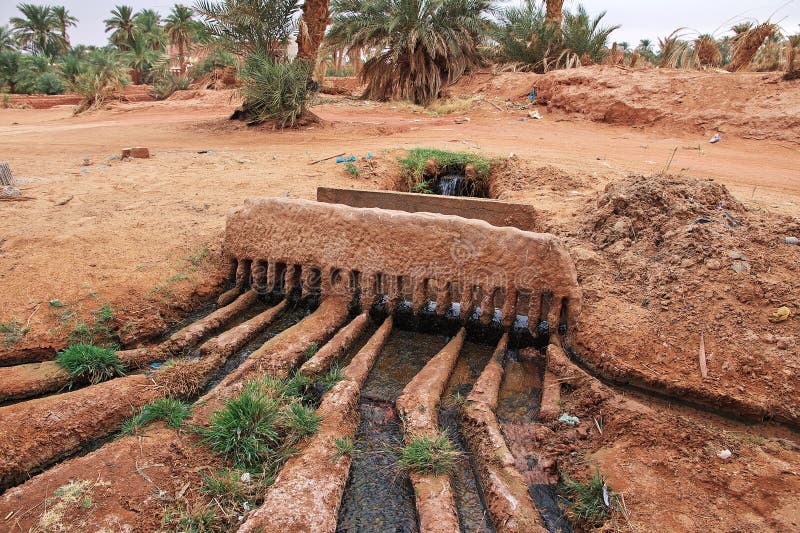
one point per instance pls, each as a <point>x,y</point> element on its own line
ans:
<point>746,44</point>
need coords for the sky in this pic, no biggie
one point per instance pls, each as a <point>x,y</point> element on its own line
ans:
<point>639,20</point>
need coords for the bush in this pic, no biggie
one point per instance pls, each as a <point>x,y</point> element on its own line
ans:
<point>93,363</point>
<point>102,78</point>
<point>49,83</point>
<point>165,86</point>
<point>274,90</point>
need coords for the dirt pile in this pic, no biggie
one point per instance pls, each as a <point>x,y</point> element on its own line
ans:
<point>747,104</point>
<point>513,174</point>
<point>673,258</point>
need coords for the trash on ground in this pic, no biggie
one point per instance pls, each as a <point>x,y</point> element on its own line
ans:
<point>535,115</point>
<point>85,171</point>
<point>724,454</point>
<point>792,240</point>
<point>155,365</point>
<point>781,314</point>
<point>606,498</point>
<point>102,166</point>
<point>368,156</point>
<point>346,159</point>
<point>461,120</point>
<point>569,419</point>
<point>716,138</point>
<point>702,220</point>
<point>532,95</point>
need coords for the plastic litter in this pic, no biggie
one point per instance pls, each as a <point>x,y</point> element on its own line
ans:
<point>345,159</point>
<point>724,454</point>
<point>368,156</point>
<point>606,498</point>
<point>155,365</point>
<point>85,171</point>
<point>569,419</point>
<point>532,95</point>
<point>535,115</point>
<point>702,220</point>
<point>781,314</point>
<point>102,166</point>
<point>716,138</point>
<point>792,240</point>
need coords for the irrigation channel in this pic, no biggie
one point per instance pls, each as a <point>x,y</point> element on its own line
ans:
<point>263,336</point>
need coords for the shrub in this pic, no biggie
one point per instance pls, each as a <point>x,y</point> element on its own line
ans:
<point>274,90</point>
<point>430,455</point>
<point>103,77</point>
<point>93,363</point>
<point>165,86</point>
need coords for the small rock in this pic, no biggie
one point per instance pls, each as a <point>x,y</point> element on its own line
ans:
<point>724,454</point>
<point>741,266</point>
<point>736,255</point>
<point>713,264</point>
<point>782,344</point>
<point>137,152</point>
<point>7,191</point>
<point>246,477</point>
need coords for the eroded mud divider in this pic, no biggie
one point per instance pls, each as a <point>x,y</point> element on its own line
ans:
<point>43,431</point>
<point>308,491</point>
<point>37,379</point>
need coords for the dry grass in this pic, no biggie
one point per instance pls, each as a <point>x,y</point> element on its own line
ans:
<point>746,44</point>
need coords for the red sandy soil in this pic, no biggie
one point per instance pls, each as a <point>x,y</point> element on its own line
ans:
<point>134,235</point>
<point>132,93</point>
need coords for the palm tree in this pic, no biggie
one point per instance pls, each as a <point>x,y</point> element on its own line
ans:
<point>421,46</point>
<point>584,38</point>
<point>9,69</point>
<point>247,25</point>
<point>555,9</point>
<point>65,20</point>
<point>140,57</point>
<point>36,29</point>
<point>6,39</point>
<point>148,23</point>
<point>121,24</point>
<point>180,29</point>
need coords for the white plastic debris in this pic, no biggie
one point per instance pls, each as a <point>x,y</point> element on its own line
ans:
<point>716,138</point>
<point>568,419</point>
<point>246,477</point>
<point>724,454</point>
<point>606,499</point>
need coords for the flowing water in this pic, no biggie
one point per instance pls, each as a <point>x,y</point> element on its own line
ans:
<point>472,513</point>
<point>452,185</point>
<point>379,495</point>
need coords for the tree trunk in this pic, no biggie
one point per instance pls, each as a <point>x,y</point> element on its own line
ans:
<point>554,11</point>
<point>312,29</point>
<point>181,59</point>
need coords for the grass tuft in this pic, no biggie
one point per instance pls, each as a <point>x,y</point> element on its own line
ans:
<point>301,420</point>
<point>12,332</point>
<point>427,455</point>
<point>351,169</point>
<point>99,333</point>
<point>93,363</point>
<point>586,505</point>
<point>311,350</point>
<point>344,448</point>
<point>413,167</point>
<point>333,376</point>
<point>170,410</point>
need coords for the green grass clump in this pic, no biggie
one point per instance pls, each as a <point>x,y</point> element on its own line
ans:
<point>257,429</point>
<point>333,376</point>
<point>170,410</point>
<point>427,455</point>
<point>351,169</point>
<point>413,167</point>
<point>12,332</point>
<point>311,350</point>
<point>344,448</point>
<point>586,505</point>
<point>89,362</point>
<point>99,333</point>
